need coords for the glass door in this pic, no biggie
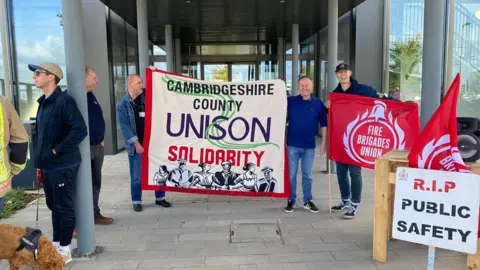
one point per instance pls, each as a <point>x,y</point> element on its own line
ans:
<point>242,72</point>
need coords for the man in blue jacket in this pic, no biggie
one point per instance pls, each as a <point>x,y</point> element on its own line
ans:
<point>350,196</point>
<point>304,113</point>
<point>131,116</point>
<point>61,128</point>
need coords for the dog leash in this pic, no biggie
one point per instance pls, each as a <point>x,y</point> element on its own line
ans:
<point>38,202</point>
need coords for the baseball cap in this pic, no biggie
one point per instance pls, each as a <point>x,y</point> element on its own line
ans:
<point>47,66</point>
<point>342,66</point>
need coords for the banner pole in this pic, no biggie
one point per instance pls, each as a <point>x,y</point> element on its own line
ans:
<point>329,186</point>
<point>431,258</point>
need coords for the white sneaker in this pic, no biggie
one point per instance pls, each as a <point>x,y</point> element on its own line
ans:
<point>67,256</point>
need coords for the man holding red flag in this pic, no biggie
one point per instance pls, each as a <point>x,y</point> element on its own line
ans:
<point>350,196</point>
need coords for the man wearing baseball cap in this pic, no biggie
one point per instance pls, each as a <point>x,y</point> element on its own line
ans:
<point>350,196</point>
<point>60,128</point>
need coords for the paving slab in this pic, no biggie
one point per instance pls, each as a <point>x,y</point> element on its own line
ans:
<point>196,233</point>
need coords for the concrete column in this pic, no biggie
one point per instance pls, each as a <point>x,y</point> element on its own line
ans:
<point>295,43</point>
<point>178,56</point>
<point>96,56</point>
<point>281,58</point>
<point>332,55</point>
<point>169,46</point>
<point>75,61</point>
<point>432,69</point>
<point>142,30</point>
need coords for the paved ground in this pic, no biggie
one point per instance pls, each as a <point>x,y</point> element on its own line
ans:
<point>195,233</point>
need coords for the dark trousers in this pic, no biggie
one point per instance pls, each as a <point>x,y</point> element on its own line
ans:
<point>60,191</point>
<point>96,153</point>
<point>354,191</point>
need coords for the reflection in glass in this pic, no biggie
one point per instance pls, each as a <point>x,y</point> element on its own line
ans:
<point>466,56</point>
<point>406,40</point>
<point>243,72</point>
<point>37,40</point>
<point>268,70</point>
<point>216,73</point>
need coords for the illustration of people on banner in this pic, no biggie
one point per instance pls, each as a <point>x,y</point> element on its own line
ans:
<point>215,137</point>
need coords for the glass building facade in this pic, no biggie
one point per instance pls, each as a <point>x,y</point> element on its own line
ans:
<point>34,33</point>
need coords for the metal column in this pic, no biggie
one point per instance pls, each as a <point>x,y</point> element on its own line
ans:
<point>332,54</point>
<point>75,71</point>
<point>295,45</point>
<point>5,52</point>
<point>281,58</point>
<point>178,56</point>
<point>170,49</point>
<point>142,30</point>
<point>432,69</point>
<point>450,38</point>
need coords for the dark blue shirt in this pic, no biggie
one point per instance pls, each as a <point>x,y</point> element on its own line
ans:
<point>303,117</point>
<point>361,90</point>
<point>96,122</point>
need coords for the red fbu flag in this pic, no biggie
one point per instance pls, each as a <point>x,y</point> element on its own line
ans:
<point>437,146</point>
<point>362,129</point>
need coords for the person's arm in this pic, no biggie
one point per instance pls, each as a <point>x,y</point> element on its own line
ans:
<point>18,141</point>
<point>125,127</point>
<point>323,125</point>
<point>77,129</point>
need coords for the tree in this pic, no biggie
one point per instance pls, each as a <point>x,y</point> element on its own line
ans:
<point>405,57</point>
<point>60,19</point>
<point>220,73</point>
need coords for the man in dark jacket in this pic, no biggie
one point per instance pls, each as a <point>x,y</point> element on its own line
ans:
<point>60,128</point>
<point>350,196</point>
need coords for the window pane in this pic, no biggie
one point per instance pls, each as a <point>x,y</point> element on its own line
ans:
<point>406,40</point>
<point>38,35</point>
<point>119,58</point>
<point>466,56</point>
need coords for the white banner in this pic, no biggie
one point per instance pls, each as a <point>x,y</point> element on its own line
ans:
<point>215,137</point>
<point>437,208</point>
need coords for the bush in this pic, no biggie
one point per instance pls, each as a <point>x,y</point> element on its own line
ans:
<point>16,199</point>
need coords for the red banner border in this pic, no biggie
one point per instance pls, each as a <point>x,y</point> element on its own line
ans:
<point>146,146</point>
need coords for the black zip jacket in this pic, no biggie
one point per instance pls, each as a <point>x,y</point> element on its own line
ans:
<point>60,127</point>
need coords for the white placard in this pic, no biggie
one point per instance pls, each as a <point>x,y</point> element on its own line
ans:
<point>437,208</point>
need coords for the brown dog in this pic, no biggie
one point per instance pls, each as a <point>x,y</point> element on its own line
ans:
<point>47,256</point>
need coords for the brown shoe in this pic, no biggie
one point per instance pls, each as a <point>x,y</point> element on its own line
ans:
<point>103,220</point>
<point>74,235</point>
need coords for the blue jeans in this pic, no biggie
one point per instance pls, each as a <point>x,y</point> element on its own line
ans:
<point>355,192</point>
<point>306,155</point>
<point>135,162</point>
<point>2,201</point>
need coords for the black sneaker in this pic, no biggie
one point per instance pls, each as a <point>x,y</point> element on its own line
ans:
<point>342,206</point>
<point>310,206</point>
<point>137,207</point>
<point>163,203</point>
<point>290,207</point>
<point>352,211</point>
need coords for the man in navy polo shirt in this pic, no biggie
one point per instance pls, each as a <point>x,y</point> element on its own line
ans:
<point>96,127</point>
<point>304,112</point>
<point>351,196</point>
